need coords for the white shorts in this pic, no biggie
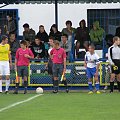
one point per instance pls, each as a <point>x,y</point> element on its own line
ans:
<point>4,68</point>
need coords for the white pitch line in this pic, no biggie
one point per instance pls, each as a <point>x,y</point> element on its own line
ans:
<point>18,103</point>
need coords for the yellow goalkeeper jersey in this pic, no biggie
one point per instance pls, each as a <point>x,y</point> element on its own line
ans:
<point>4,52</point>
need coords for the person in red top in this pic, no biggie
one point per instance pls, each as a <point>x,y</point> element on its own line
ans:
<point>58,56</point>
<point>22,61</point>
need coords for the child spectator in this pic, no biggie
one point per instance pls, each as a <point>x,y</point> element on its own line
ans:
<point>42,35</point>
<point>55,33</point>
<point>82,33</point>
<point>65,45</point>
<point>97,34</point>
<point>38,48</point>
<point>28,34</point>
<point>69,30</point>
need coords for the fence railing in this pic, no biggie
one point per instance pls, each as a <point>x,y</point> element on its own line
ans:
<point>75,75</point>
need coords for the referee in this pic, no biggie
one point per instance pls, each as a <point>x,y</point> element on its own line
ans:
<point>114,60</point>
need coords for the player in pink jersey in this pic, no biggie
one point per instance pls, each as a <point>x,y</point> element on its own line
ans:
<point>58,56</point>
<point>22,60</point>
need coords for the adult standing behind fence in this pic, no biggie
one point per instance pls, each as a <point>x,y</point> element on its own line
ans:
<point>11,25</point>
<point>14,45</point>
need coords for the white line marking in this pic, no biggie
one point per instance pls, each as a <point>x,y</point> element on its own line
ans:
<point>18,103</point>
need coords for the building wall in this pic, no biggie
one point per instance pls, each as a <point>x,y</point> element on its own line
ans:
<point>36,14</point>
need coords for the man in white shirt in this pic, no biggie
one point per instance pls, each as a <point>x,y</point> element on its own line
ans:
<point>114,60</point>
<point>92,68</point>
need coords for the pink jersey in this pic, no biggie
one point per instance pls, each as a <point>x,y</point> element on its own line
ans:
<point>58,55</point>
<point>20,56</point>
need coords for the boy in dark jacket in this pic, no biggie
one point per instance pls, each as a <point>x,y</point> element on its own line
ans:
<point>38,48</point>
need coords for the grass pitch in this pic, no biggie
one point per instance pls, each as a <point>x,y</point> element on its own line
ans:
<point>61,106</point>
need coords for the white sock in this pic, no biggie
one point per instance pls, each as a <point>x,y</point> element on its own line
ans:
<point>0,85</point>
<point>7,85</point>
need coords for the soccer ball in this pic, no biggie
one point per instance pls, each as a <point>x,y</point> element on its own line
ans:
<point>39,90</point>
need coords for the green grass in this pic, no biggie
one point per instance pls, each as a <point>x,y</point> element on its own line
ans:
<point>62,106</point>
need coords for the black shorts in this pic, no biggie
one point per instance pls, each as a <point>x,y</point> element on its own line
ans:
<point>22,71</point>
<point>115,70</point>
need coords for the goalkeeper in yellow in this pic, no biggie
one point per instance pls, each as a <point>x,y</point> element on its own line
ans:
<point>114,60</point>
<point>5,62</point>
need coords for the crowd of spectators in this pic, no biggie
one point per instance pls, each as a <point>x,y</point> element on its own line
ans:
<point>39,42</point>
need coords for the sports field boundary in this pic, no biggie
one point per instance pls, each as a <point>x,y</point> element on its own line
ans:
<point>20,102</point>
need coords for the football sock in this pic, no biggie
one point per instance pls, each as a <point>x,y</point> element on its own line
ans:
<point>65,83</point>
<point>17,86</point>
<point>90,86</point>
<point>7,85</point>
<point>0,85</point>
<point>118,83</point>
<point>56,85</point>
<point>111,86</point>
<point>25,84</point>
<point>97,85</point>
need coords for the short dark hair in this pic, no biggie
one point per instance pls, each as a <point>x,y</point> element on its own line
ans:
<point>115,38</point>
<point>36,37</point>
<point>51,37</point>
<point>68,22</point>
<point>10,15</point>
<point>56,42</point>
<point>26,25</point>
<point>3,37</point>
<point>65,35</point>
<point>92,46</point>
<point>24,42</point>
<point>41,26</point>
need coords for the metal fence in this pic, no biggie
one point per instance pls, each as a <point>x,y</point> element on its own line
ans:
<point>75,75</point>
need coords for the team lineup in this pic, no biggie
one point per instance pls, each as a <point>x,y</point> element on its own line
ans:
<point>57,65</point>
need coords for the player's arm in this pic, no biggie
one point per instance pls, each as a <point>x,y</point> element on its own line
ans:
<point>85,62</point>
<point>64,58</point>
<point>30,55</point>
<point>110,56</point>
<point>98,64</point>
<point>10,58</point>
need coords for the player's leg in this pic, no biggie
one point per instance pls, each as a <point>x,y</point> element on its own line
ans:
<point>0,84</point>
<point>90,78</point>
<point>17,82</point>
<point>55,76</point>
<point>25,77</point>
<point>112,79</point>
<point>96,79</point>
<point>1,73</point>
<point>118,82</point>
<point>61,68</point>
<point>7,74</point>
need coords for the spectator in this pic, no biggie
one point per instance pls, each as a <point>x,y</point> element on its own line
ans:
<point>86,45</point>
<point>42,35</point>
<point>38,48</point>
<point>79,53</point>
<point>69,30</point>
<point>96,34</point>
<point>55,33</point>
<point>14,45</point>
<point>82,33</point>
<point>117,32</point>
<point>11,26</point>
<point>28,34</point>
<point>65,44</point>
